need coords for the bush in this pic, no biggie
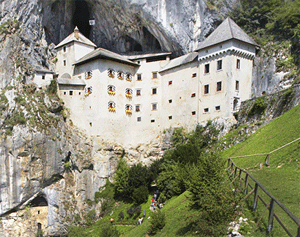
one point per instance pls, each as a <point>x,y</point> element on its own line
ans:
<point>52,88</point>
<point>258,107</point>
<point>121,215</point>
<point>158,221</point>
<point>109,231</point>
<point>90,217</point>
<point>140,195</point>
<point>134,210</point>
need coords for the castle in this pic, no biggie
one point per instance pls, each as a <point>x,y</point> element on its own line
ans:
<point>132,99</point>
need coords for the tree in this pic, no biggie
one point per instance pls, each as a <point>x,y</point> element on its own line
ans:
<point>121,179</point>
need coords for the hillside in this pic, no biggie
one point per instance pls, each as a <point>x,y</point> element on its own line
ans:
<point>281,178</point>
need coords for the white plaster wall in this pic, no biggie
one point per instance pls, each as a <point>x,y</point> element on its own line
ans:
<point>180,92</point>
<point>42,83</point>
<point>81,50</point>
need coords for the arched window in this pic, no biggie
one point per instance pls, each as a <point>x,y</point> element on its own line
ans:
<point>88,90</point>
<point>128,109</point>
<point>111,90</point>
<point>120,75</point>
<point>128,93</point>
<point>111,73</point>
<point>128,77</point>
<point>88,75</point>
<point>111,106</point>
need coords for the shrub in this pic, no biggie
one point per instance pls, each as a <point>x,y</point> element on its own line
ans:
<point>121,215</point>
<point>109,231</point>
<point>158,221</point>
<point>90,217</point>
<point>52,88</point>
<point>134,210</point>
<point>258,107</point>
<point>140,194</point>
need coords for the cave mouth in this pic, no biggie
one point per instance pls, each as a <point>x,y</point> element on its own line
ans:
<point>81,17</point>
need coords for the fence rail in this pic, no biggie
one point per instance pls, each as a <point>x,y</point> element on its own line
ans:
<point>236,173</point>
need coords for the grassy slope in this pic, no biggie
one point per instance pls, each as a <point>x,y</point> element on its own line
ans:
<point>281,178</point>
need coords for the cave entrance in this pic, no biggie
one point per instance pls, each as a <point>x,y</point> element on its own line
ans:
<point>39,201</point>
<point>81,17</point>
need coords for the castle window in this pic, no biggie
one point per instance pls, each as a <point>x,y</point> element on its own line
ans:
<point>193,95</point>
<point>111,106</point>
<point>65,92</point>
<point>120,75</point>
<point>170,117</point>
<point>219,86</point>
<point>152,120</point>
<point>128,77</point>
<point>194,74</point>
<point>154,75</point>
<point>170,82</point>
<point>138,92</point>
<point>88,75</point>
<point>219,65</point>
<point>128,109</point>
<point>39,212</point>
<point>206,89</point>
<point>154,106</point>
<point>193,112</point>
<point>237,85</point>
<point>137,108</point>
<point>91,124</point>
<point>70,92</point>
<point>128,93</point>
<point>43,77</point>
<point>218,108</point>
<point>139,119</point>
<point>64,49</point>
<point>79,93</point>
<point>139,77</point>
<point>154,91</point>
<point>111,73</point>
<point>65,63</point>
<point>238,64</point>
<point>206,68</point>
<point>139,62</point>
<point>206,110</point>
<point>88,91</point>
<point>170,101</point>
<point>111,90</point>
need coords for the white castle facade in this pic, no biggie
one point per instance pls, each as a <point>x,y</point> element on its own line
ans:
<point>132,99</point>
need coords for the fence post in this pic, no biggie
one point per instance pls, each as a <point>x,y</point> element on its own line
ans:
<point>235,173</point>
<point>271,215</point>
<point>228,163</point>
<point>255,196</point>
<point>246,184</point>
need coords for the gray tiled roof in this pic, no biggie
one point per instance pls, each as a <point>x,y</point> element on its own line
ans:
<point>104,53</point>
<point>42,70</point>
<point>147,55</point>
<point>71,38</point>
<point>74,82</point>
<point>176,62</point>
<point>226,31</point>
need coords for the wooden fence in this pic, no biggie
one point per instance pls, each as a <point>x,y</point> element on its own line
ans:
<point>237,174</point>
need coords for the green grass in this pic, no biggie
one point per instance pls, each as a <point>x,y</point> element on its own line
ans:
<point>281,178</point>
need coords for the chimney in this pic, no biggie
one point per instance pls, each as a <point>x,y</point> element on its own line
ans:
<point>76,33</point>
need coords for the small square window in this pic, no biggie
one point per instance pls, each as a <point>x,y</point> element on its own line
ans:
<point>139,119</point>
<point>170,82</point>
<point>65,92</point>
<point>154,91</point>
<point>219,65</point>
<point>218,108</point>
<point>154,106</point>
<point>194,74</point>
<point>219,86</point>
<point>65,63</point>
<point>70,92</point>
<point>139,62</point>
<point>65,49</point>
<point>170,101</point>
<point>193,112</point>
<point>91,124</point>
<point>43,77</point>
<point>152,120</point>
<point>154,75</point>
<point>206,89</point>
<point>206,68</point>
<point>193,95</point>
<point>206,110</point>
<point>79,93</point>
<point>137,108</point>
<point>139,77</point>
<point>170,117</point>
<point>237,85</point>
<point>138,92</point>
<point>238,64</point>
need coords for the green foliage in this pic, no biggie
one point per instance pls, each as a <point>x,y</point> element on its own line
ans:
<point>52,88</point>
<point>258,107</point>
<point>140,194</point>
<point>158,221</point>
<point>54,60</point>
<point>178,136</point>
<point>121,215</point>
<point>90,218</point>
<point>109,231</point>
<point>121,179</point>
<point>134,210</point>
<point>68,165</point>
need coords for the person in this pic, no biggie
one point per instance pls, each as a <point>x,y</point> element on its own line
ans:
<point>140,220</point>
<point>154,207</point>
<point>155,196</point>
<point>111,220</point>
